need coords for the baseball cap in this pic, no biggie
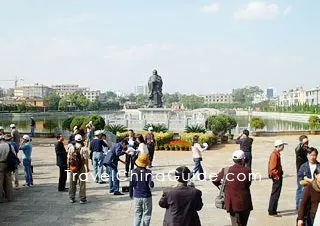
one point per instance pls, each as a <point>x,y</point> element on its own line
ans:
<point>150,128</point>
<point>279,143</point>
<point>26,137</point>
<point>1,127</point>
<point>78,137</point>
<point>237,155</point>
<point>12,125</point>
<point>97,132</point>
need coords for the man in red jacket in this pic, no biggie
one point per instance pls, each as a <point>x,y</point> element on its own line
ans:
<point>237,190</point>
<point>275,173</point>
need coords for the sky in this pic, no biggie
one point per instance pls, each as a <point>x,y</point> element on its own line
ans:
<point>197,46</point>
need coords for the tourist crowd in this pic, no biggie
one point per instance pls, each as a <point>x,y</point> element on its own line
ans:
<point>181,202</point>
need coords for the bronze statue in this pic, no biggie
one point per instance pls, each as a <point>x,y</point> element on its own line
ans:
<point>155,90</point>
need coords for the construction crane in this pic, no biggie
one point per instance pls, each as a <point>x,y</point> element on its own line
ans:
<point>16,80</point>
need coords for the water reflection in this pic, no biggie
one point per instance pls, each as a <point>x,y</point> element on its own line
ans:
<point>275,124</point>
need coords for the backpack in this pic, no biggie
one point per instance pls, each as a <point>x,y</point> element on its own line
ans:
<point>75,161</point>
<point>12,160</point>
<point>219,202</point>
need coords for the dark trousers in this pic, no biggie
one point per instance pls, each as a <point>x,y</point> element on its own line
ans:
<point>248,159</point>
<point>299,193</point>
<point>239,218</point>
<point>275,195</point>
<point>151,153</point>
<point>130,160</point>
<point>198,167</point>
<point>62,178</point>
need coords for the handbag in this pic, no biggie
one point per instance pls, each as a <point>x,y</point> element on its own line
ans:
<point>219,202</point>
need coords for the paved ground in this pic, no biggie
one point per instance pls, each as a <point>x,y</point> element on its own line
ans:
<point>43,205</point>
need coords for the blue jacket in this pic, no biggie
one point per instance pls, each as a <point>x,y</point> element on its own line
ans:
<point>14,145</point>
<point>141,183</point>
<point>112,157</point>
<point>304,170</point>
<point>26,149</point>
<point>96,145</point>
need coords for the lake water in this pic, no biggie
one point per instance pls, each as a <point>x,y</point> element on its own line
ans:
<point>23,123</point>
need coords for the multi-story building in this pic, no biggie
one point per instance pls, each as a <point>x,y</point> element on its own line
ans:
<point>313,96</point>
<point>141,90</point>
<point>270,93</point>
<point>217,98</point>
<point>65,89</point>
<point>91,95</point>
<point>36,90</point>
<point>292,97</point>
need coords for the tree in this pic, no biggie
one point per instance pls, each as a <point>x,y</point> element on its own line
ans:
<point>141,99</point>
<point>171,98</point>
<point>257,123</point>
<point>110,96</point>
<point>97,121</point>
<point>53,98</point>
<point>132,97</point>
<point>246,94</point>
<point>217,124</point>
<point>192,101</point>
<point>77,121</point>
<point>50,125</point>
<point>314,122</point>
<point>66,123</point>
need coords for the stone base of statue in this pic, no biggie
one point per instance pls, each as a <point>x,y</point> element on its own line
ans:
<point>154,114</point>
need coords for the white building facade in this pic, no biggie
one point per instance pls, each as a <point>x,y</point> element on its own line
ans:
<point>313,96</point>
<point>39,91</point>
<point>222,98</point>
<point>293,97</point>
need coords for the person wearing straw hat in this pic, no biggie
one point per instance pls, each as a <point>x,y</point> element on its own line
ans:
<point>140,189</point>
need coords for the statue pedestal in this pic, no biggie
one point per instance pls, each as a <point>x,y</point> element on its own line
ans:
<point>154,114</point>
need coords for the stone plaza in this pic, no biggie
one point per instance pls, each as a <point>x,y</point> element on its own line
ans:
<point>42,204</point>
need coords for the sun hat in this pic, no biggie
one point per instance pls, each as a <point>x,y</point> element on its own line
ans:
<point>279,143</point>
<point>12,125</point>
<point>237,155</point>
<point>78,137</point>
<point>26,137</point>
<point>142,160</point>
<point>150,128</point>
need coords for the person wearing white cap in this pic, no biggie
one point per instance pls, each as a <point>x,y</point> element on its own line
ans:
<point>150,142</point>
<point>237,195</point>
<point>15,134</point>
<point>275,173</point>
<point>26,148</point>
<point>77,163</point>
<point>96,155</point>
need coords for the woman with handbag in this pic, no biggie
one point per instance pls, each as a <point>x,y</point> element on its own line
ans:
<point>236,191</point>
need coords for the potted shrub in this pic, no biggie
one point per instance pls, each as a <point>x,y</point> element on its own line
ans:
<point>218,124</point>
<point>314,122</point>
<point>256,123</point>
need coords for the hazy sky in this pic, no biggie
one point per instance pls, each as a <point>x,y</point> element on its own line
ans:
<point>197,46</point>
